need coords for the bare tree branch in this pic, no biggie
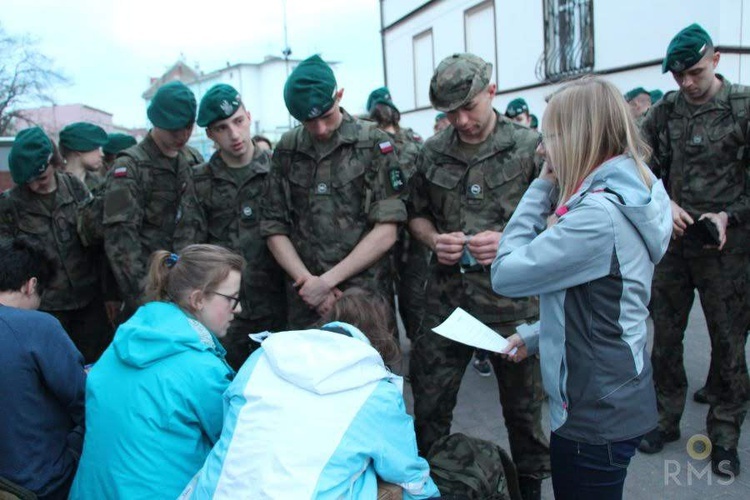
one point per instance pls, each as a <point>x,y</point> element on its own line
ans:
<point>27,78</point>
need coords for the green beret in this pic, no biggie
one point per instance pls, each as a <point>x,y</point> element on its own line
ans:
<point>380,96</point>
<point>220,102</point>
<point>632,94</point>
<point>655,95</point>
<point>440,116</point>
<point>310,90</point>
<point>30,155</point>
<point>686,49</point>
<point>117,142</point>
<point>457,79</point>
<point>516,107</point>
<point>82,136</point>
<point>173,107</point>
<point>534,121</point>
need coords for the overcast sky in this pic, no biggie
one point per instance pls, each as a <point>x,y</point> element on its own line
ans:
<point>109,49</point>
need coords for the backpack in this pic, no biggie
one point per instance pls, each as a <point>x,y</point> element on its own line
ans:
<point>470,468</point>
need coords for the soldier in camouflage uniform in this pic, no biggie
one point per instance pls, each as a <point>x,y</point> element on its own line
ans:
<point>470,178</point>
<point>143,190</point>
<point>699,138</point>
<point>81,146</point>
<point>410,256</point>
<point>223,209</point>
<point>116,142</point>
<point>333,204</point>
<point>43,206</point>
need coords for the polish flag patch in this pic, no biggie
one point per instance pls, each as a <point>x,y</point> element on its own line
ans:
<point>120,172</point>
<point>386,147</point>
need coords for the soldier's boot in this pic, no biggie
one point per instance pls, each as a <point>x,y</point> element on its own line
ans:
<point>704,396</point>
<point>531,488</point>
<point>725,461</point>
<point>653,442</point>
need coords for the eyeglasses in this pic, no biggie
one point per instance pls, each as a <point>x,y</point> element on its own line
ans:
<point>233,301</point>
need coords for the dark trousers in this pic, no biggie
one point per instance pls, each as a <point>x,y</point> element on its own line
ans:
<point>583,471</point>
<point>237,343</point>
<point>88,328</point>
<point>723,285</point>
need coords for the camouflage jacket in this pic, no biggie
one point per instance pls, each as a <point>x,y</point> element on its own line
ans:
<point>141,198</point>
<point>220,211</point>
<point>93,180</point>
<point>23,213</point>
<point>701,153</point>
<point>326,203</point>
<point>473,197</point>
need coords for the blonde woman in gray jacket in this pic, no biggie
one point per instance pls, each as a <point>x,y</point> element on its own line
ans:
<point>592,268</point>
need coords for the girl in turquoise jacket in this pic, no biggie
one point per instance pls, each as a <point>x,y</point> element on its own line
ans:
<point>154,399</point>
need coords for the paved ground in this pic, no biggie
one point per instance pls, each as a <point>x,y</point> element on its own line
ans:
<point>671,474</point>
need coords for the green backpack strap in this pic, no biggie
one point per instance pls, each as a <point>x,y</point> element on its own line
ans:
<point>739,99</point>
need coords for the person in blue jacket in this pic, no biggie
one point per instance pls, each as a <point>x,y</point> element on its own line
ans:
<point>592,266</point>
<point>316,414</point>
<point>154,399</point>
<point>43,380</point>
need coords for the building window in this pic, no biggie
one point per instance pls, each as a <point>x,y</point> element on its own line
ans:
<point>424,66</point>
<point>568,39</point>
<point>479,32</point>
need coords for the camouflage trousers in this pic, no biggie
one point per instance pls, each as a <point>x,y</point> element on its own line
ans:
<point>412,282</point>
<point>88,328</point>
<point>237,343</point>
<point>722,282</point>
<point>437,366</point>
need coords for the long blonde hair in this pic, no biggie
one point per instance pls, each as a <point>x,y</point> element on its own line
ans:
<point>586,123</point>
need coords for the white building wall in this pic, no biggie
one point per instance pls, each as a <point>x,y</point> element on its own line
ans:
<point>625,34</point>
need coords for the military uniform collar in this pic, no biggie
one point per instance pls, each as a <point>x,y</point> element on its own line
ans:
<point>500,139</point>
<point>719,101</point>
<point>35,205</point>
<point>260,164</point>
<point>347,133</point>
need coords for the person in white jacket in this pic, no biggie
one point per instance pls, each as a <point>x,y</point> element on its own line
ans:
<point>592,268</point>
<point>316,414</point>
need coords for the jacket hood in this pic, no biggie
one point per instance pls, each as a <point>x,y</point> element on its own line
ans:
<point>159,330</point>
<point>647,209</point>
<point>326,362</point>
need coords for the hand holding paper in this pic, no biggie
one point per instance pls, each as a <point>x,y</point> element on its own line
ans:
<point>465,328</point>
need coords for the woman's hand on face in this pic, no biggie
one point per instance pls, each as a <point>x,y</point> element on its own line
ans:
<point>515,342</point>
<point>547,173</point>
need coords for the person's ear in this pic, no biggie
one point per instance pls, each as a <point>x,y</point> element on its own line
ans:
<point>29,288</point>
<point>196,300</point>
<point>339,95</point>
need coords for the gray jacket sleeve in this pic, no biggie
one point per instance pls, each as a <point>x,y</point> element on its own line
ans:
<point>532,260</point>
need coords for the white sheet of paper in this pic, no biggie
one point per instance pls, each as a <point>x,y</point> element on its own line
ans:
<point>465,328</point>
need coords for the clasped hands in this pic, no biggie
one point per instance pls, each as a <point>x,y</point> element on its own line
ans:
<point>483,246</point>
<point>317,293</point>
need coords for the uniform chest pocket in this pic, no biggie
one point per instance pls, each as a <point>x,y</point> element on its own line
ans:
<point>445,176</point>
<point>36,226</point>
<point>346,174</point>
<point>162,207</point>
<point>726,130</point>
<point>501,174</point>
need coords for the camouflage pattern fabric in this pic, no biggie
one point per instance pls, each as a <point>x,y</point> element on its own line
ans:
<point>223,208</point>
<point>702,153</point>
<point>473,196</point>
<point>326,199</point>
<point>722,283</point>
<point>436,368</point>
<point>73,296</point>
<point>141,199</point>
<point>93,181</point>
<point>411,256</point>
<point>472,468</point>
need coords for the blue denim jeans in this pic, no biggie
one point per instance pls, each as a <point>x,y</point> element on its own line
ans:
<point>582,471</point>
